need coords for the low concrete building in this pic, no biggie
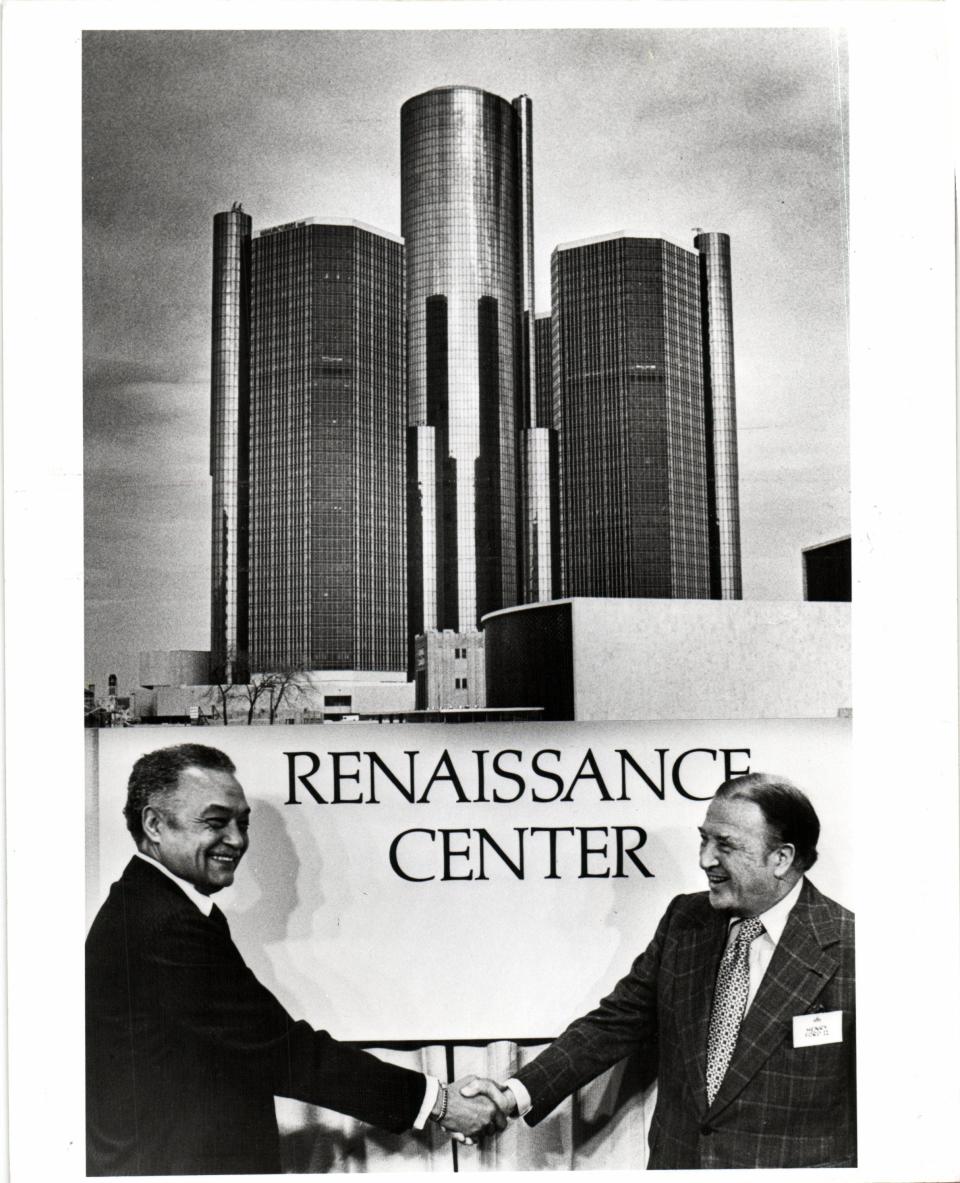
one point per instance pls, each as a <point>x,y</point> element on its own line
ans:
<point>330,697</point>
<point>315,697</point>
<point>449,670</point>
<point>594,659</point>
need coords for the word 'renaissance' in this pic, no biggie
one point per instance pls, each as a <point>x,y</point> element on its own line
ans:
<point>424,854</point>
<point>500,778</point>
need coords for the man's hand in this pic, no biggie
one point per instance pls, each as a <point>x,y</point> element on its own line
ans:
<point>475,1107</point>
<point>499,1094</point>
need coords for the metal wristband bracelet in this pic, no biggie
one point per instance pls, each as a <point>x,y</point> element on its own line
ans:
<point>438,1116</point>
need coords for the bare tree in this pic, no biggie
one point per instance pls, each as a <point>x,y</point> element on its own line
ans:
<point>226,692</point>
<point>288,685</point>
<point>274,689</point>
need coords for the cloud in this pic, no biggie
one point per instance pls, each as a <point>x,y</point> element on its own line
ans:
<point>133,402</point>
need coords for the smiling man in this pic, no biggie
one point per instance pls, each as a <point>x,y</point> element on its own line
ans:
<point>185,1049</point>
<point>745,996</point>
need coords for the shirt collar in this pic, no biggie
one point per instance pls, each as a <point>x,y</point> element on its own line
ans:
<point>775,919</point>
<point>203,902</point>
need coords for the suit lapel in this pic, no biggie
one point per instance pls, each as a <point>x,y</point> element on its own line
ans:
<point>698,954</point>
<point>805,959</point>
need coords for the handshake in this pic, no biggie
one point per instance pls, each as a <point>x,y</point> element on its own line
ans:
<point>473,1107</point>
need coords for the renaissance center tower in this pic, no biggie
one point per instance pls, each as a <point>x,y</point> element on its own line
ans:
<point>721,415</point>
<point>307,453</point>
<point>466,219</point>
<point>229,436</point>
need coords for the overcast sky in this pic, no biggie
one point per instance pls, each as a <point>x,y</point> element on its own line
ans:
<point>654,132</point>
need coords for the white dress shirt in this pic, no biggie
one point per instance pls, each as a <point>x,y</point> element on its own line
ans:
<point>761,951</point>
<point>205,904</point>
<point>774,921</point>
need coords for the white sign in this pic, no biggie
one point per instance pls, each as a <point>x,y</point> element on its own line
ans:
<point>486,882</point>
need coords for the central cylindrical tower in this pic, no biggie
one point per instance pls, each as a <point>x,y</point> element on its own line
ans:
<point>460,219</point>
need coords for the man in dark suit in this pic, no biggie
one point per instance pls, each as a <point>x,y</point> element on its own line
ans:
<point>185,1049</point>
<point>746,996</point>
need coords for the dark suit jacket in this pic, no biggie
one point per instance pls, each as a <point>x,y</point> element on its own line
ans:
<point>778,1105</point>
<point>186,1049</point>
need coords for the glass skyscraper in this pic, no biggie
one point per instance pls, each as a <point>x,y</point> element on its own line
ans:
<point>327,577</point>
<point>400,446</point>
<point>629,381</point>
<point>721,415</point>
<point>466,219</point>
<point>537,544</point>
<point>229,423</point>
<point>323,445</point>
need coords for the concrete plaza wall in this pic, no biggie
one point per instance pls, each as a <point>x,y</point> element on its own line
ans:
<point>674,659</point>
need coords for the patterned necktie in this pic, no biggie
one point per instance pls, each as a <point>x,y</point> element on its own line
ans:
<point>729,1003</point>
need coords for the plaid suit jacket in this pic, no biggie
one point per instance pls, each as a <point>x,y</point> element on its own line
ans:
<point>778,1105</point>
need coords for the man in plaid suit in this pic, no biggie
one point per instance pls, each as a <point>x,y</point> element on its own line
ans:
<point>755,1070</point>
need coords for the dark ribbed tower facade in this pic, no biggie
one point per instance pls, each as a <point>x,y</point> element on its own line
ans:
<point>229,422</point>
<point>327,423</point>
<point>543,337</point>
<point>721,415</point>
<point>630,397</point>
<point>463,222</point>
<point>544,492</point>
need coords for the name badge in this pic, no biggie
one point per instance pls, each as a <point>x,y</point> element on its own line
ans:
<point>825,1027</point>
